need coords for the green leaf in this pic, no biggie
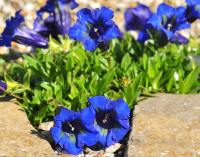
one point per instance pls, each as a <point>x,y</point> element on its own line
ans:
<point>151,69</point>
<point>105,82</point>
<point>133,90</point>
<point>126,61</point>
<point>189,81</point>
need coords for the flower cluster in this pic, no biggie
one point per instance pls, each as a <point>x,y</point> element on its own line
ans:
<point>103,123</point>
<point>56,23</point>
<point>95,28</point>
<point>164,25</point>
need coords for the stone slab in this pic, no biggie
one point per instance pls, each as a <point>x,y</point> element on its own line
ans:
<point>166,125</point>
<point>17,137</point>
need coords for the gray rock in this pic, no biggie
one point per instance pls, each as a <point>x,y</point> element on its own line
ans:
<point>166,125</point>
<point>18,137</point>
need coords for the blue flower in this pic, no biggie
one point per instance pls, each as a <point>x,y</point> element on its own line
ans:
<point>57,23</point>
<point>51,5</point>
<point>58,20</point>
<point>21,34</point>
<point>164,25</point>
<point>95,28</point>
<point>135,18</point>
<point>69,133</point>
<point>3,87</point>
<point>110,119</point>
<point>193,10</point>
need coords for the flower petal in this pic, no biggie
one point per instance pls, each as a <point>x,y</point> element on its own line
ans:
<point>72,148</point>
<point>90,44</point>
<point>178,38</point>
<point>66,115</point>
<point>87,116</point>
<point>3,87</point>
<point>100,102</point>
<point>112,33</point>
<point>79,31</point>
<point>85,15</point>
<point>117,134</point>
<point>86,138</point>
<point>104,14</point>
<point>62,22</point>
<point>165,9</point>
<point>121,108</point>
<point>135,18</point>
<point>56,134</point>
<point>143,36</point>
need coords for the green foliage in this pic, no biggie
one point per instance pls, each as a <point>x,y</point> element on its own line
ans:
<point>67,75</point>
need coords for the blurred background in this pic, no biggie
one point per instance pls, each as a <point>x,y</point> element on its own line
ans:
<point>9,7</point>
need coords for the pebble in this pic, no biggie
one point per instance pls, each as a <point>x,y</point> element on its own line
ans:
<point>46,126</point>
<point>113,148</point>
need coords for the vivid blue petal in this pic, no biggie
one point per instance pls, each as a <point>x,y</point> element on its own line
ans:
<point>87,116</point>
<point>112,32</point>
<point>88,139</point>
<point>58,124</point>
<point>165,9</point>
<point>65,138</point>
<point>100,102</point>
<point>121,108</point>
<point>66,115</point>
<point>143,36</point>
<point>72,148</point>
<point>168,33</point>
<point>56,134</point>
<point>85,15</point>
<point>103,14</point>
<point>102,137</point>
<point>118,133</point>
<point>89,44</point>
<point>135,18</point>
<point>155,22</point>
<point>79,31</point>
<point>124,123</point>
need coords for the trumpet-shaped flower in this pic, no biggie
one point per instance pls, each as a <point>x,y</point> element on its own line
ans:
<point>165,24</point>
<point>95,28</point>
<point>14,31</point>
<point>110,119</point>
<point>136,18</point>
<point>69,133</point>
<point>58,20</point>
<point>193,10</point>
<point>3,87</point>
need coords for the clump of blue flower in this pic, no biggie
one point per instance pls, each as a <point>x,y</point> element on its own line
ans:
<point>164,26</point>
<point>95,28</point>
<point>16,32</point>
<point>103,123</point>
